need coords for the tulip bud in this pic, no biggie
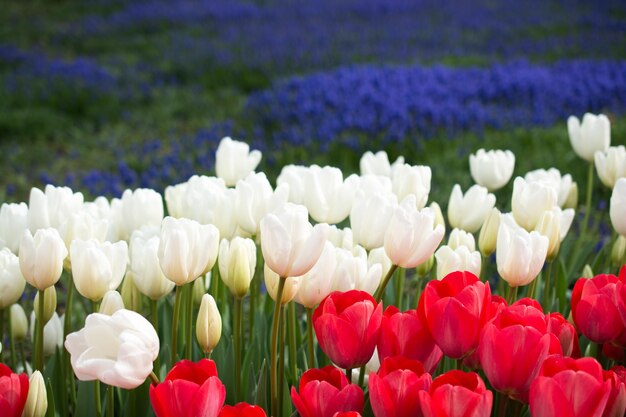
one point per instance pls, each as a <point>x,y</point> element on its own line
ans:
<point>439,220</point>
<point>593,134</point>
<point>11,280</point>
<point>425,267</point>
<point>272,281</point>
<point>209,324</point>
<point>618,251</point>
<point>131,296</point>
<point>572,197</point>
<point>19,322</point>
<point>52,333</point>
<point>468,211</point>
<point>489,233</point>
<point>237,261</point>
<point>111,302</point>
<point>618,207</point>
<point>459,237</point>
<point>587,272</point>
<point>37,400</point>
<point>41,257</point>
<point>549,226</point>
<point>198,291</point>
<point>49,304</point>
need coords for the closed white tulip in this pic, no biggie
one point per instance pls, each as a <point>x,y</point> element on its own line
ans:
<point>590,136</point>
<point>611,165</point>
<point>530,200</point>
<point>255,198</point>
<point>378,256</point>
<point>316,284</point>
<point>237,262</point>
<point>489,233</point>
<point>37,400</point>
<point>49,304</point>
<point>412,235</point>
<point>83,225</point>
<point>234,160</point>
<point>412,180</point>
<point>12,282</point>
<point>369,219</point>
<point>144,264</point>
<point>175,196</point>
<point>328,196</point>
<point>111,302</point>
<point>552,177</point>
<point>520,255</point>
<point>19,322</point>
<point>50,207</point>
<point>272,281</point>
<point>187,249</point>
<point>117,350</point>
<point>439,220</point>
<point>52,333</point>
<point>554,224</point>
<point>353,272</point>
<point>458,259</point>
<point>98,267</point>
<point>459,237</point>
<point>618,207</point>
<point>294,176</point>
<point>41,257</point>
<point>290,244</point>
<point>492,169</point>
<point>208,324</point>
<point>141,207</point>
<point>13,222</point>
<point>468,211</point>
<point>377,164</point>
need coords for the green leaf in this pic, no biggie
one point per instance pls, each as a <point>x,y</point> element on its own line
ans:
<point>85,401</point>
<point>261,387</point>
<point>51,404</point>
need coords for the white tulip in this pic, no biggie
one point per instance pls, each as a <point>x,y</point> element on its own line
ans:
<point>618,207</point>
<point>83,225</point>
<point>341,238</point>
<point>41,257</point>
<point>611,165</point>
<point>52,333</point>
<point>237,262</point>
<point>370,185</point>
<point>208,324</point>
<point>492,169</point>
<point>316,284</point>
<point>489,233</point>
<point>370,217</point>
<point>458,259</point>
<point>294,176</point>
<point>175,196</point>
<point>378,256</point>
<point>141,207</point>
<point>49,208</point>
<point>144,264</point>
<point>377,164</point>
<point>353,272</point>
<point>37,400</point>
<point>117,350</point>
<point>468,211</point>
<point>19,322</point>
<point>530,200</point>
<point>98,267</point>
<point>111,302</point>
<point>552,178</point>
<point>234,161</point>
<point>590,136</point>
<point>13,222</point>
<point>12,282</point>
<point>413,180</point>
<point>255,198</point>
<point>329,197</point>
<point>459,237</point>
<point>272,281</point>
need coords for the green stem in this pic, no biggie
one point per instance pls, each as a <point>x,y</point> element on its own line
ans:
<point>383,285</point>
<point>532,289</point>
<point>11,340</point>
<point>483,267</point>
<point>274,348</point>
<point>23,356</point>
<point>362,376</point>
<point>585,224</point>
<point>293,343</point>
<point>349,374</point>
<point>504,402</point>
<point>253,303</point>
<point>400,288</point>
<point>67,328</point>
<point>281,363</point>
<point>189,332</point>
<point>418,293</point>
<point>110,401</point>
<point>175,317</point>
<point>39,329</point>
<point>512,295</point>
<point>547,288</point>
<point>97,399</point>
<point>459,364</point>
<point>309,329</point>
<point>238,312</point>
<point>154,379</point>
<point>154,318</point>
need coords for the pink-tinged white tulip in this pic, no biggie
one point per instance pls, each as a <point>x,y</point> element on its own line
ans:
<point>412,235</point>
<point>468,211</point>
<point>272,281</point>
<point>234,160</point>
<point>50,207</point>
<point>618,207</point>
<point>492,169</point>
<point>489,233</point>
<point>341,238</point>
<point>52,333</point>
<point>611,165</point>
<point>117,350</point>
<point>458,259</point>
<point>459,237</point>
<point>187,249</point>
<point>530,200</point>
<point>552,177</point>
<point>12,282</point>
<point>353,272</point>
<point>237,262</point>
<point>378,164</point>
<point>590,136</point>
<point>255,198</point>
<point>554,224</point>
<point>111,302</point>
<point>141,207</point>
<point>412,180</point>
<point>316,284</point>
<point>290,244</point>
<point>98,267</point>
<point>41,257</point>
<point>294,176</point>
<point>13,222</point>
<point>370,217</point>
<point>520,255</point>
<point>208,324</point>
<point>328,196</point>
<point>144,264</point>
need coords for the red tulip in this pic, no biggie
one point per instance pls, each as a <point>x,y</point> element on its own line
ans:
<point>394,389</point>
<point>512,348</point>
<point>190,389</point>
<point>403,334</point>
<point>497,304</point>
<point>347,325</point>
<point>616,405</point>
<point>570,388</point>
<point>13,392</point>
<point>348,414</point>
<point>242,410</point>
<point>324,392</point>
<point>457,394</point>
<point>454,311</point>
<point>595,310</point>
<point>566,333</point>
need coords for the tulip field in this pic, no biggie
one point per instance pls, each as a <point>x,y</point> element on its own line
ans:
<point>215,208</point>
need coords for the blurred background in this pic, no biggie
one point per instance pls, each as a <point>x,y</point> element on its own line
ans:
<point>104,95</point>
